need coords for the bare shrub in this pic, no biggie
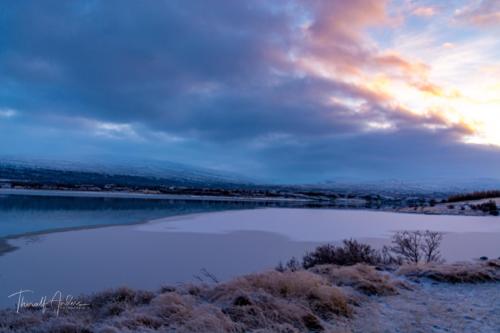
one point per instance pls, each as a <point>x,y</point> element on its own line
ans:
<point>430,246</point>
<point>406,245</point>
<point>324,254</point>
<point>356,252</point>
<point>206,277</point>
<point>352,252</point>
<point>292,265</point>
<point>388,258</point>
<point>280,267</point>
<point>417,246</point>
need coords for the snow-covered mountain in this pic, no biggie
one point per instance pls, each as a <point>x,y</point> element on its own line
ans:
<point>163,172</point>
<point>425,186</point>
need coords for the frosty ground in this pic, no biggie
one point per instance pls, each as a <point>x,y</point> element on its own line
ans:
<point>324,298</point>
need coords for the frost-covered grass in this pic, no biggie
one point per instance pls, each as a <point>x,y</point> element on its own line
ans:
<point>300,301</point>
<point>485,271</point>
<point>324,298</point>
<point>363,278</point>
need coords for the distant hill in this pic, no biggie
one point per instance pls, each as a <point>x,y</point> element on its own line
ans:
<point>100,171</point>
<point>127,173</point>
<point>424,186</point>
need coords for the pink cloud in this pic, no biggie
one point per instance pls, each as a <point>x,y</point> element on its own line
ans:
<point>424,11</point>
<point>341,18</point>
<point>486,13</point>
<point>335,40</point>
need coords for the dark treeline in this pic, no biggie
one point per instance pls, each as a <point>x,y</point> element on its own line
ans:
<point>474,196</point>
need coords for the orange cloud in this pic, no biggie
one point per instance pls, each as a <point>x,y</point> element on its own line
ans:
<point>334,47</point>
<point>394,60</point>
<point>342,19</point>
<point>424,11</point>
<point>486,19</point>
<point>430,88</point>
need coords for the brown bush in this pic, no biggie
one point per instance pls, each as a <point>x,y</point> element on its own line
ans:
<point>352,252</point>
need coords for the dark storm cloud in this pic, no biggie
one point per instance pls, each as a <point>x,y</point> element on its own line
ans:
<point>216,69</point>
<point>126,60</point>
<point>408,155</point>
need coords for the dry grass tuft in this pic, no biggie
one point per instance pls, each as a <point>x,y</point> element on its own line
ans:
<point>301,300</point>
<point>317,300</point>
<point>363,278</point>
<point>488,271</point>
<point>298,301</point>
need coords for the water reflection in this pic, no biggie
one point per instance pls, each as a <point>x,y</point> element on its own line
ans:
<point>21,214</point>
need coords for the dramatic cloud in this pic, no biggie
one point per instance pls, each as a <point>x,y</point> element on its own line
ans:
<point>294,90</point>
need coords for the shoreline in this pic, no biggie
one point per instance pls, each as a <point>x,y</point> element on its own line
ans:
<point>146,196</point>
<point>439,209</point>
<point>8,247</point>
<point>5,247</point>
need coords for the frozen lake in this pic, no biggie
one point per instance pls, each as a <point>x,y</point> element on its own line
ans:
<point>226,243</point>
<point>37,211</point>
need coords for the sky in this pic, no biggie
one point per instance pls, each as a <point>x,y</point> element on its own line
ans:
<point>287,91</point>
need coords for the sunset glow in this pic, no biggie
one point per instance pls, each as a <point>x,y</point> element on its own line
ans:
<point>457,81</point>
<point>288,89</point>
